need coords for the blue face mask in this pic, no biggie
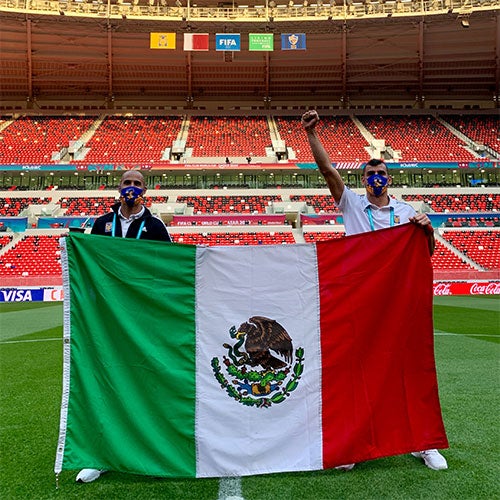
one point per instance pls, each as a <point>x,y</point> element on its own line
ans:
<point>376,185</point>
<point>132,195</point>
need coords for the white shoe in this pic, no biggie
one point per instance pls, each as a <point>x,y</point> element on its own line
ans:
<point>346,467</point>
<point>432,458</point>
<point>89,475</point>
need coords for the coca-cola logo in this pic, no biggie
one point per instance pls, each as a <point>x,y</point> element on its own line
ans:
<point>467,288</point>
<point>442,289</point>
<point>485,289</point>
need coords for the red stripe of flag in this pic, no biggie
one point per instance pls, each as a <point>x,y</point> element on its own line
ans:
<point>379,384</point>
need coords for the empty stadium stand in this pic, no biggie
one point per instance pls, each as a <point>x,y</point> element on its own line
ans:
<point>87,206</point>
<point>34,253</point>
<point>484,130</point>
<point>229,204</point>
<point>5,240</point>
<point>228,136</point>
<point>146,140</point>
<point>32,256</point>
<point>320,203</point>
<point>239,238</point>
<point>445,259</point>
<point>285,212</point>
<point>13,206</point>
<point>483,247</point>
<point>36,139</point>
<point>341,137</point>
<point>477,202</point>
<point>314,236</point>
<point>472,222</point>
<point>138,140</point>
<point>417,138</point>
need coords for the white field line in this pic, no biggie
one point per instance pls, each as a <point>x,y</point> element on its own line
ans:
<point>230,488</point>
<point>435,333</point>
<point>28,341</point>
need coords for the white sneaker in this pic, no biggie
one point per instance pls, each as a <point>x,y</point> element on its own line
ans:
<point>432,458</point>
<point>89,475</point>
<point>346,467</point>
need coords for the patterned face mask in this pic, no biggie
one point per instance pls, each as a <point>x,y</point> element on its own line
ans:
<point>132,195</point>
<point>376,185</point>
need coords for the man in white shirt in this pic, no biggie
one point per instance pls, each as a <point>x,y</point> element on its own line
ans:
<point>369,212</point>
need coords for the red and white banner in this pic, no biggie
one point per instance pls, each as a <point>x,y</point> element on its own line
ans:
<point>196,41</point>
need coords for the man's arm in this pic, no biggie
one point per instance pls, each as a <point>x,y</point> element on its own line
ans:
<point>333,180</point>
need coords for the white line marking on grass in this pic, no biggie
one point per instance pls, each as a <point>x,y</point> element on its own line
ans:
<point>230,488</point>
<point>27,341</point>
<point>444,334</point>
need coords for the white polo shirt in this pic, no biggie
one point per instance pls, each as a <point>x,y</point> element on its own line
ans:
<point>361,216</point>
<point>125,223</point>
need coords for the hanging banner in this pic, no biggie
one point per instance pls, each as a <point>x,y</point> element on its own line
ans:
<point>293,41</point>
<point>228,41</point>
<point>196,41</point>
<point>261,41</point>
<point>162,40</point>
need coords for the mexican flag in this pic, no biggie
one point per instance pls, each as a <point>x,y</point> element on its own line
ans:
<point>191,361</point>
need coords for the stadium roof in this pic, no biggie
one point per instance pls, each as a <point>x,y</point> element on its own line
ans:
<point>353,58</point>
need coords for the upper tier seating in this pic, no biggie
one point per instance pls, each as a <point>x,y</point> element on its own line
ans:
<point>32,256</point>
<point>419,138</point>
<point>12,207</point>
<point>341,137</point>
<point>481,129</point>
<point>34,139</point>
<point>229,204</point>
<point>483,247</point>
<point>477,202</point>
<point>228,136</point>
<point>251,238</point>
<point>132,139</point>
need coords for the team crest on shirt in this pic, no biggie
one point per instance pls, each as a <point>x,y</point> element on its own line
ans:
<point>259,364</point>
<point>397,219</point>
<point>108,227</point>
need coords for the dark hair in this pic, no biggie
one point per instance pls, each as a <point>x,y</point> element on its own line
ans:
<point>374,162</point>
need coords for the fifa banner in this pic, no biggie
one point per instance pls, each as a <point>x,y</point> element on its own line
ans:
<point>196,41</point>
<point>228,41</point>
<point>293,41</point>
<point>162,40</point>
<point>199,361</point>
<point>261,41</point>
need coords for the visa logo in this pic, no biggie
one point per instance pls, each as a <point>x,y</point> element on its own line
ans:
<point>17,295</point>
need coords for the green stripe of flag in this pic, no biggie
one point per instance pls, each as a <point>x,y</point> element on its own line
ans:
<point>140,385</point>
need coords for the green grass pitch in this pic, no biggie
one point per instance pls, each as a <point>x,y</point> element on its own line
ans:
<point>467,357</point>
